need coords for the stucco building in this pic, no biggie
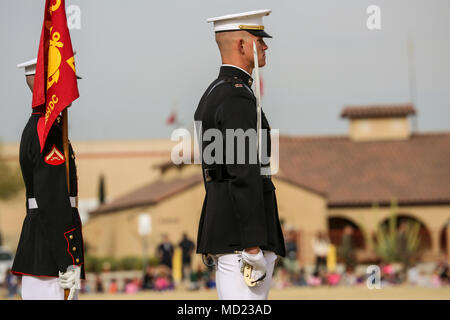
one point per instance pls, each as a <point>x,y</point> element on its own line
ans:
<point>324,184</point>
<point>124,164</point>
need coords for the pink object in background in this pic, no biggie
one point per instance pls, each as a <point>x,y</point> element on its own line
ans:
<point>334,278</point>
<point>387,269</point>
<point>314,281</point>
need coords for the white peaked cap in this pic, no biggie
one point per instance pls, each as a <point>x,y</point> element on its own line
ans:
<point>30,66</point>
<point>251,21</point>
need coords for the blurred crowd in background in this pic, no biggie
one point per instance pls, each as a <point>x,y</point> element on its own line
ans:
<point>337,265</point>
<point>334,266</point>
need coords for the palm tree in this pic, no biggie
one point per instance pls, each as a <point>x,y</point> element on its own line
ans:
<point>398,244</point>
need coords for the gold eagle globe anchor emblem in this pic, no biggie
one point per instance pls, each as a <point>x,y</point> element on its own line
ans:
<point>54,7</point>
<point>54,59</point>
<point>54,56</point>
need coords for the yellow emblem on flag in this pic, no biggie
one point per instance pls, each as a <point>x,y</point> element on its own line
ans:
<point>55,6</point>
<point>71,63</point>
<point>54,59</point>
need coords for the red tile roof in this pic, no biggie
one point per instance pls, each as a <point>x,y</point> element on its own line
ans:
<point>347,173</point>
<point>413,171</point>
<point>378,111</point>
<point>150,194</point>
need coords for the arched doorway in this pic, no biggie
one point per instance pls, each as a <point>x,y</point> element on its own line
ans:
<point>424,233</point>
<point>337,227</point>
<point>443,239</point>
<point>349,241</point>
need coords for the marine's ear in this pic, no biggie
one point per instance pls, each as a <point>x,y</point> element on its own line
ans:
<point>241,46</point>
<point>30,81</point>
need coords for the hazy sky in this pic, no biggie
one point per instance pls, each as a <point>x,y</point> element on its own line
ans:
<point>142,59</point>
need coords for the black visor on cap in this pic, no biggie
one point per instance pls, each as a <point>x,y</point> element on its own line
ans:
<point>259,33</point>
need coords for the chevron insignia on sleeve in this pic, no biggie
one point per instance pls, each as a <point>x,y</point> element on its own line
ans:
<point>54,157</point>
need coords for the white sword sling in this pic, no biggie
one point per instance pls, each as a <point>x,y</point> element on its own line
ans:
<point>247,267</point>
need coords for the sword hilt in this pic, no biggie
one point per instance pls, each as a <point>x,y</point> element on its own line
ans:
<point>248,275</point>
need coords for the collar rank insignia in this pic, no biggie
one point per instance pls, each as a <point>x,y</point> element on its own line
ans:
<point>54,157</point>
<point>238,85</point>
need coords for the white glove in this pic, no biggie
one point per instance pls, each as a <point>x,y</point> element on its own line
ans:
<point>71,279</point>
<point>257,261</point>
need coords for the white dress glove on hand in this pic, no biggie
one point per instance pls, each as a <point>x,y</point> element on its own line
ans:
<point>71,279</point>
<point>258,262</point>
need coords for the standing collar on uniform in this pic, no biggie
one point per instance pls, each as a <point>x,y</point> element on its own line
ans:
<point>230,70</point>
<point>37,114</point>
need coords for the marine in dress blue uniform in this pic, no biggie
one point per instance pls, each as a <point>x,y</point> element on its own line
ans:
<point>51,239</point>
<point>240,207</point>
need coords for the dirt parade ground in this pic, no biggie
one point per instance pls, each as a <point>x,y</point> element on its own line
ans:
<point>293,293</point>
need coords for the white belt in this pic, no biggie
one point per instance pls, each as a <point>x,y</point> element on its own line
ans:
<point>32,204</point>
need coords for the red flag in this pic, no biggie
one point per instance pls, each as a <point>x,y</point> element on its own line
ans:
<point>55,82</point>
<point>172,118</point>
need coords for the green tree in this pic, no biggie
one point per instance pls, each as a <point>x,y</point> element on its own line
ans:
<point>101,190</point>
<point>398,243</point>
<point>10,180</point>
<point>347,248</point>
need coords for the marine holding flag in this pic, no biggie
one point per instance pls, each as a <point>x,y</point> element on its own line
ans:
<point>50,254</point>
